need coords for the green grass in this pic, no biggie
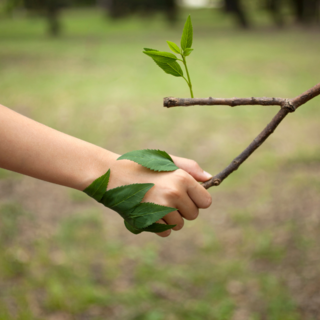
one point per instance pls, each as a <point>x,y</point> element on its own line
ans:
<point>248,257</point>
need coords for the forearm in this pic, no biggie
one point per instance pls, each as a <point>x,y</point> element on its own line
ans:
<point>36,150</point>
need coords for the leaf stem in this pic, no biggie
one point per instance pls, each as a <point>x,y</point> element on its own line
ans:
<point>189,80</point>
<point>186,81</point>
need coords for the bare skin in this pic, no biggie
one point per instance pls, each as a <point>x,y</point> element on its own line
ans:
<point>33,149</point>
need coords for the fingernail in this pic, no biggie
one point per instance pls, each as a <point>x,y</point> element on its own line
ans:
<point>207,175</point>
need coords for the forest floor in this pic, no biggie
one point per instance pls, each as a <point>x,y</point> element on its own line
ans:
<point>254,255</point>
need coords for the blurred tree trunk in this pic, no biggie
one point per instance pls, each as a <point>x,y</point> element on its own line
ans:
<point>306,11</point>
<point>171,11</point>
<point>53,12</point>
<point>122,8</point>
<point>236,7</point>
<point>50,9</point>
<point>275,7</point>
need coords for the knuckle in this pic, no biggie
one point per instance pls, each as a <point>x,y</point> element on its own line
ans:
<point>182,176</point>
<point>194,165</point>
<point>173,193</point>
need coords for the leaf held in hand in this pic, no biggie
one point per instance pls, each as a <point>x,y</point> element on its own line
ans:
<point>155,160</point>
<point>145,214</point>
<point>159,227</point>
<point>161,56</point>
<point>187,35</point>
<point>97,188</point>
<point>173,47</point>
<point>124,199</point>
<point>187,52</point>
<point>131,228</point>
<point>155,228</point>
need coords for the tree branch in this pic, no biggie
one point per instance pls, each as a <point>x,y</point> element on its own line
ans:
<point>287,106</point>
<point>171,102</point>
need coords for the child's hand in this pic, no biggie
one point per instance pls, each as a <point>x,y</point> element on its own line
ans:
<point>178,189</point>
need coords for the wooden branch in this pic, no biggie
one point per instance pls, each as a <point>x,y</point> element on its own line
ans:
<point>287,106</point>
<point>171,102</point>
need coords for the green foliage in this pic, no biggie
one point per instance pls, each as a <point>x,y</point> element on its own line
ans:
<point>172,68</point>
<point>167,61</point>
<point>98,188</point>
<point>187,35</point>
<point>155,160</point>
<point>161,56</point>
<point>145,214</point>
<point>174,47</point>
<point>187,52</point>
<point>126,200</point>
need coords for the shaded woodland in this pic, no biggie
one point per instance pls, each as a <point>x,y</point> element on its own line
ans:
<point>303,12</point>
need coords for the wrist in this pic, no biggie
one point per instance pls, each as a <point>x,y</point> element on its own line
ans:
<point>95,165</point>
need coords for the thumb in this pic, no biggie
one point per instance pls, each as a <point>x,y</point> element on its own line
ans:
<point>192,168</point>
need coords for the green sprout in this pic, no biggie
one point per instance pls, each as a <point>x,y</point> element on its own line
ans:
<point>168,61</point>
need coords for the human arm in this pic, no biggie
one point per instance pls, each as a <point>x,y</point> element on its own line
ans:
<point>33,149</point>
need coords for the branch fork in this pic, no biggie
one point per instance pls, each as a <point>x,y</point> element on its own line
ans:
<point>287,106</point>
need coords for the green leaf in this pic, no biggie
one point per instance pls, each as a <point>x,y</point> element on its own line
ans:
<point>149,49</point>
<point>172,68</point>
<point>160,56</point>
<point>155,160</point>
<point>187,52</point>
<point>124,199</point>
<point>174,47</point>
<point>131,228</point>
<point>98,187</point>
<point>156,228</point>
<point>145,214</point>
<point>187,34</point>
<point>159,227</point>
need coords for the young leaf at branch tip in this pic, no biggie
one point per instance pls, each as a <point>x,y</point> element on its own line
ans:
<point>187,35</point>
<point>149,49</point>
<point>187,52</point>
<point>174,47</point>
<point>97,188</point>
<point>172,68</point>
<point>155,160</point>
<point>161,56</point>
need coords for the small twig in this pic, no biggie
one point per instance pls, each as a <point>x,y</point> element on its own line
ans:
<point>287,106</point>
<point>171,102</point>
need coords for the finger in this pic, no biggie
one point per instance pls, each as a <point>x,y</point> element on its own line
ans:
<point>199,195</point>
<point>174,218</point>
<point>163,234</point>
<point>188,209</point>
<point>192,167</point>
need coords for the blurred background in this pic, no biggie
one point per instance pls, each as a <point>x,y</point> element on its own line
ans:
<point>77,66</point>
